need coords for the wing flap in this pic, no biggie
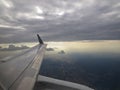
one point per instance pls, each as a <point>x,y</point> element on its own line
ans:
<point>45,83</point>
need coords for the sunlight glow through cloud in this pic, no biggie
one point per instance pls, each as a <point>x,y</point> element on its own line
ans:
<point>102,46</point>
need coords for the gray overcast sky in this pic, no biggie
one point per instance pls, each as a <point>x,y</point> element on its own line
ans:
<point>59,20</point>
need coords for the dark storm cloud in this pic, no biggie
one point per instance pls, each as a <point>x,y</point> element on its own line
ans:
<point>61,52</point>
<point>50,49</point>
<point>59,20</point>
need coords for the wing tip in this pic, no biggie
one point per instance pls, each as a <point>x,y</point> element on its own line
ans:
<point>39,39</point>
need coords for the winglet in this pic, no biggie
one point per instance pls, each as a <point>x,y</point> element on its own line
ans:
<point>40,40</point>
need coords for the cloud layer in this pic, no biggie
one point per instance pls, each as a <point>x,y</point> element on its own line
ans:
<point>59,20</point>
<point>13,47</point>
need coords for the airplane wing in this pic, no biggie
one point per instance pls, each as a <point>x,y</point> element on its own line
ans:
<point>21,72</point>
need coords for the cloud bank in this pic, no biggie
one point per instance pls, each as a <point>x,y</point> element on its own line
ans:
<point>13,47</point>
<point>59,20</point>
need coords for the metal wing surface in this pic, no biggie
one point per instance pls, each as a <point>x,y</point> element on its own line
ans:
<point>20,72</point>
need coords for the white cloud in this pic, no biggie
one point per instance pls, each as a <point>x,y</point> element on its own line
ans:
<point>12,27</point>
<point>116,5</point>
<point>7,3</point>
<point>109,16</point>
<point>38,10</point>
<point>29,16</point>
<point>59,12</point>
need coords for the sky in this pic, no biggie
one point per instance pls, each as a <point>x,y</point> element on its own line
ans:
<point>59,20</point>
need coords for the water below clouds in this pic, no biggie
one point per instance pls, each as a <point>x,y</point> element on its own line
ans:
<point>92,63</point>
